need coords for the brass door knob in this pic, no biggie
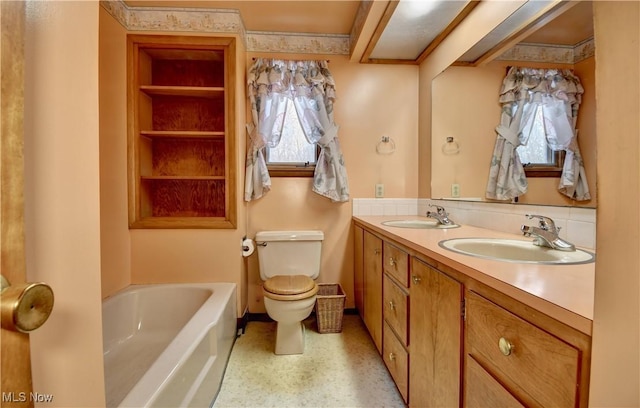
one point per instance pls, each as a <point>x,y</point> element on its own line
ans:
<point>25,307</point>
<point>506,347</point>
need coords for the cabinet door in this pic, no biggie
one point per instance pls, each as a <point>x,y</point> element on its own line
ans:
<point>482,390</point>
<point>373,287</point>
<point>435,337</point>
<point>358,272</point>
<point>537,367</point>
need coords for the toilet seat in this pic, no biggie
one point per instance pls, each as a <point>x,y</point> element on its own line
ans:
<point>289,287</point>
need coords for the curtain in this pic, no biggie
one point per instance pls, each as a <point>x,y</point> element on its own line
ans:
<point>312,88</point>
<point>527,93</point>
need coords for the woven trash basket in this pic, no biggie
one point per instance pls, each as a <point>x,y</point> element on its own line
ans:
<point>329,307</point>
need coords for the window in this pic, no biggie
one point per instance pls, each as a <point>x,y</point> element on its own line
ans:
<point>294,156</point>
<point>535,155</point>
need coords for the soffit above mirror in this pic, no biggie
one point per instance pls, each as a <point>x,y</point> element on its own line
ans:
<point>414,28</point>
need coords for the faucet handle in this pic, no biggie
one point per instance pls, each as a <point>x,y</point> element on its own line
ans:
<point>545,223</point>
<point>441,210</point>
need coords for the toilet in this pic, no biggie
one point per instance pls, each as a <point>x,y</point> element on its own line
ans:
<point>289,263</point>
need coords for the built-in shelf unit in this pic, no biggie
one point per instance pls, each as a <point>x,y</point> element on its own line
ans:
<point>181,139</point>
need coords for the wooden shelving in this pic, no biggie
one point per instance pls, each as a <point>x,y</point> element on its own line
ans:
<point>181,132</point>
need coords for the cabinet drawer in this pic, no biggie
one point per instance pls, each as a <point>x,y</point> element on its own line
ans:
<point>396,263</point>
<point>396,359</point>
<point>482,390</point>
<point>396,307</point>
<point>536,367</point>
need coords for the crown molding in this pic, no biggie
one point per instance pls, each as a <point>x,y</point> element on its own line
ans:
<point>558,54</point>
<point>223,21</point>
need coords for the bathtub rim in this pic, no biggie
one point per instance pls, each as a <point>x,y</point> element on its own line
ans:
<point>177,352</point>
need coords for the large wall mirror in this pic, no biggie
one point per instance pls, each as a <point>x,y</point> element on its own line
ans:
<point>466,111</point>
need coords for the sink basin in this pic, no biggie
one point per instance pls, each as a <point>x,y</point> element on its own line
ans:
<point>417,224</point>
<point>513,250</point>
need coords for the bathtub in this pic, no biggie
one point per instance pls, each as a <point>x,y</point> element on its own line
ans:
<point>167,345</point>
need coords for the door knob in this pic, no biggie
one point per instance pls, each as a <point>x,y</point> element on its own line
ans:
<point>26,306</point>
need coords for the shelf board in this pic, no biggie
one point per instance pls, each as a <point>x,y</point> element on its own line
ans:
<point>197,178</point>
<point>189,134</point>
<point>183,222</point>
<point>197,91</point>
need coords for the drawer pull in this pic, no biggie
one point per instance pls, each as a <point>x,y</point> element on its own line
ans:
<point>392,261</point>
<point>376,251</point>
<point>392,357</point>
<point>416,279</point>
<point>391,305</point>
<point>506,347</point>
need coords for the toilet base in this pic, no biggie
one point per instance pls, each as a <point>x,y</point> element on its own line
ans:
<point>290,338</point>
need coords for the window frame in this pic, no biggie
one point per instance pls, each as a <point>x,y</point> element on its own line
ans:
<point>553,169</point>
<point>292,170</point>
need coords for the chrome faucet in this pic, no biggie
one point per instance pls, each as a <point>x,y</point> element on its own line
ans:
<point>440,215</point>
<point>546,234</point>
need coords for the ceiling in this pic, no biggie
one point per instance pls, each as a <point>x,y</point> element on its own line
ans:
<point>405,31</point>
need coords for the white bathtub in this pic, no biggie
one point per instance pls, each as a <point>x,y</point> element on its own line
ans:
<point>167,345</point>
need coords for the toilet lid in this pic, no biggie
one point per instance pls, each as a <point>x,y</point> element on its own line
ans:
<point>289,284</point>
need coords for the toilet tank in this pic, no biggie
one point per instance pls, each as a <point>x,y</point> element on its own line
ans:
<point>289,253</point>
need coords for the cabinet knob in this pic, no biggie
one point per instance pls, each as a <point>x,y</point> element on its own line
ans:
<point>391,305</point>
<point>392,357</point>
<point>506,347</point>
<point>392,261</point>
<point>376,251</point>
<point>416,279</point>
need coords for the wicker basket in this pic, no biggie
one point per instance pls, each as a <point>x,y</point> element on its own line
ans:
<point>329,307</point>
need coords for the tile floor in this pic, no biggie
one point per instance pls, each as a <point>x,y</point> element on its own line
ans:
<point>337,370</point>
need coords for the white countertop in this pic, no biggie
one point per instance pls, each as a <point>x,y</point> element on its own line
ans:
<point>564,292</point>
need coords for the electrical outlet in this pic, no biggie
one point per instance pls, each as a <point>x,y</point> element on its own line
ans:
<point>379,190</point>
<point>455,190</point>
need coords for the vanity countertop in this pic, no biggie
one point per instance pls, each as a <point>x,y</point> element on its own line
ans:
<point>564,292</point>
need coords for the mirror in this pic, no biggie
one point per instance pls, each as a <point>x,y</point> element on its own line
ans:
<point>465,108</point>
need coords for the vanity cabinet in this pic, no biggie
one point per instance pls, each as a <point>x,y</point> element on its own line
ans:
<point>449,340</point>
<point>436,337</point>
<point>181,139</point>
<point>528,364</point>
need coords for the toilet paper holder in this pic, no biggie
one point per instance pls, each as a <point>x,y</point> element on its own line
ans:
<point>248,247</point>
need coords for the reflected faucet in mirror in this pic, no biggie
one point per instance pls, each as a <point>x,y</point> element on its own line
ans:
<point>546,234</point>
<point>441,215</point>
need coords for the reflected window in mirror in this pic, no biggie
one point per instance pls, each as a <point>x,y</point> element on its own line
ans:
<point>537,158</point>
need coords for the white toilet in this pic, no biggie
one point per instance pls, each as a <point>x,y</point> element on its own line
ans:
<point>289,264</point>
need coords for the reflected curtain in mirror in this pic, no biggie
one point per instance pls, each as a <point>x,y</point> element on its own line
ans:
<point>310,85</point>
<point>535,100</point>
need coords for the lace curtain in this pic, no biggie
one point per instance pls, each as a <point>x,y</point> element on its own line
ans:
<point>312,88</point>
<point>527,93</point>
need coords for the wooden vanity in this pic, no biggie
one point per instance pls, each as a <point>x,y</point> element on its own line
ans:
<point>456,330</point>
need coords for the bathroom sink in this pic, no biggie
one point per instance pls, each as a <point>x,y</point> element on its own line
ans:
<point>417,224</point>
<point>513,250</point>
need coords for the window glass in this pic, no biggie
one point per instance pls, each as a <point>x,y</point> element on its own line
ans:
<point>293,149</point>
<point>536,149</point>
